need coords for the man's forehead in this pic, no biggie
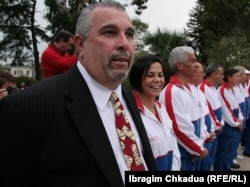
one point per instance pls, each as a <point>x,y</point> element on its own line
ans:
<point>107,14</point>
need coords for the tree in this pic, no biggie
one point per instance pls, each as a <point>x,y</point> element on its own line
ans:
<point>20,33</point>
<point>140,31</point>
<point>233,49</point>
<point>63,14</point>
<point>221,30</point>
<point>162,42</point>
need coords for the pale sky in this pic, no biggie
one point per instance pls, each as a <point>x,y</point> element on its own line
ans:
<point>166,14</point>
<point>163,14</point>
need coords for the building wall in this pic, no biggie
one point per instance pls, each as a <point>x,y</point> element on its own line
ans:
<point>18,71</point>
<point>22,71</point>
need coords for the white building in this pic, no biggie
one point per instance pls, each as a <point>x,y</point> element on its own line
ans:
<point>18,71</point>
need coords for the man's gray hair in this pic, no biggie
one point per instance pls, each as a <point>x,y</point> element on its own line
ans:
<point>179,54</point>
<point>83,25</point>
<point>241,69</point>
<point>212,68</point>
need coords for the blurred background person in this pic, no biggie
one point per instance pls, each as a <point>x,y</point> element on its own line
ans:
<point>245,141</point>
<point>233,120</point>
<point>213,79</point>
<point>147,80</point>
<point>22,85</point>
<point>207,162</point>
<point>242,97</point>
<point>55,58</point>
<point>7,84</point>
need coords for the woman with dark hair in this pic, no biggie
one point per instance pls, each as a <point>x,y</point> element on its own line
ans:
<point>233,119</point>
<point>147,80</point>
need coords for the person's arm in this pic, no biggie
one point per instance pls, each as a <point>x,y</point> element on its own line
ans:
<point>53,61</point>
<point>3,93</point>
<point>183,127</point>
<point>176,166</point>
<point>229,105</point>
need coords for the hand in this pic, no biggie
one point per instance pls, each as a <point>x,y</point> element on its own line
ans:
<point>240,126</point>
<point>3,93</point>
<point>220,129</point>
<point>212,137</point>
<point>202,155</point>
<point>240,121</point>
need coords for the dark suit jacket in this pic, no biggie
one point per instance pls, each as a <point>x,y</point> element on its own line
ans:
<point>51,134</point>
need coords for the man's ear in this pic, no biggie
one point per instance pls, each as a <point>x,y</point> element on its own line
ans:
<point>179,66</point>
<point>78,42</point>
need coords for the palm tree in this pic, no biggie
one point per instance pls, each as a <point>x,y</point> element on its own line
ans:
<point>162,42</point>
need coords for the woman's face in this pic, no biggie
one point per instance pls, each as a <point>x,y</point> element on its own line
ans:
<point>153,81</point>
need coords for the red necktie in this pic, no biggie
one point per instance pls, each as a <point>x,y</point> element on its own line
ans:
<point>126,136</point>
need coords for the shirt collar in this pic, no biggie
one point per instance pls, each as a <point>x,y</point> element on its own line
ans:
<point>176,81</point>
<point>100,93</point>
<point>139,103</point>
<point>207,83</point>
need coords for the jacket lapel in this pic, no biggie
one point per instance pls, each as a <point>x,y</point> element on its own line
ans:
<point>85,114</point>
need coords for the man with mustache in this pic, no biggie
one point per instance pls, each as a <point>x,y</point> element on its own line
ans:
<point>61,131</point>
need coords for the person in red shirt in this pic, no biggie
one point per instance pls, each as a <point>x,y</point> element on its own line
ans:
<point>56,58</point>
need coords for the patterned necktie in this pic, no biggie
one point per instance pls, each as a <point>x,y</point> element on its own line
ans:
<point>126,136</point>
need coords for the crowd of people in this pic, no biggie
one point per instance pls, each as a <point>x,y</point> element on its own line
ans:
<point>62,130</point>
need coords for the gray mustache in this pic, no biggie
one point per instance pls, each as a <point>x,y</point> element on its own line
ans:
<point>120,57</point>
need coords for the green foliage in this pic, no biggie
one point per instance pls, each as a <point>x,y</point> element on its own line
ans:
<point>140,31</point>
<point>162,42</point>
<point>19,31</point>
<point>140,5</point>
<point>14,27</point>
<point>64,14</point>
<point>221,31</point>
<point>1,68</point>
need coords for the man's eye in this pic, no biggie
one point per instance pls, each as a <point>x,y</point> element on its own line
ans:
<point>130,35</point>
<point>110,33</point>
